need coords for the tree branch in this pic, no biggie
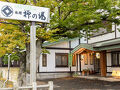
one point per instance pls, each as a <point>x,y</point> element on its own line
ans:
<point>35,1</point>
<point>25,2</point>
<point>15,1</point>
<point>7,0</point>
<point>9,23</point>
<point>76,28</point>
<point>59,12</point>
<point>69,14</point>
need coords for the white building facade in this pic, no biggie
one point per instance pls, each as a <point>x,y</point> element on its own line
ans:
<point>56,64</point>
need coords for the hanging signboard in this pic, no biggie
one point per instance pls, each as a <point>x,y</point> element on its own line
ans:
<point>24,12</point>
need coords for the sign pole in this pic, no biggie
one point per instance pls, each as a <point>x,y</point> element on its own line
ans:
<point>33,53</point>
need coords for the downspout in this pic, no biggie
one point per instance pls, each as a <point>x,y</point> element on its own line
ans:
<point>76,62</point>
<point>70,52</point>
<point>80,62</point>
<point>79,57</point>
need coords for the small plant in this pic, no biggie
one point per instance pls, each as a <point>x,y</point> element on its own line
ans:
<point>75,74</point>
<point>85,72</point>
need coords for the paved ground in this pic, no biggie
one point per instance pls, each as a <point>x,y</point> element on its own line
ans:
<point>81,83</point>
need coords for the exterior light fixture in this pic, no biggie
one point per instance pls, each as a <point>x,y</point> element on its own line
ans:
<point>98,55</point>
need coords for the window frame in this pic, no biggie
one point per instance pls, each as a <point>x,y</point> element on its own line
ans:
<point>74,62</point>
<point>91,58</point>
<point>44,59</point>
<point>61,54</point>
<point>118,63</point>
<point>86,55</point>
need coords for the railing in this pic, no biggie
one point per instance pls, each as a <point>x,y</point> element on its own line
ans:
<point>33,87</point>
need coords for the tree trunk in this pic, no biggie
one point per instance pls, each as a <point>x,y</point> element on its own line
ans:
<point>28,57</point>
<point>23,79</point>
<point>25,63</point>
<point>38,52</point>
<point>0,61</point>
<point>22,71</point>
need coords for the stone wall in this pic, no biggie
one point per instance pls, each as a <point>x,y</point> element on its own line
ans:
<point>41,76</point>
<point>13,75</point>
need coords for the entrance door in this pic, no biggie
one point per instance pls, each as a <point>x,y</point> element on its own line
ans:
<point>97,65</point>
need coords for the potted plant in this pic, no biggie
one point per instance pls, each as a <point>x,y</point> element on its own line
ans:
<point>85,72</point>
<point>91,71</point>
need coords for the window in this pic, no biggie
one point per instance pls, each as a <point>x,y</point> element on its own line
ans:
<point>91,58</point>
<point>86,56</point>
<point>44,60</point>
<point>61,60</point>
<point>115,59</point>
<point>74,61</point>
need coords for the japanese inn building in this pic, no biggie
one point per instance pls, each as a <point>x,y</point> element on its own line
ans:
<point>100,53</point>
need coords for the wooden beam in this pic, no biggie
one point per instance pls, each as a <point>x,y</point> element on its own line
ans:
<point>103,63</point>
<point>79,51</point>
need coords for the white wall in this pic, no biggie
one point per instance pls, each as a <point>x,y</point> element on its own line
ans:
<point>74,43</point>
<point>107,36</point>
<point>51,62</point>
<point>102,37</point>
<point>117,31</point>
<point>110,69</point>
<point>83,40</point>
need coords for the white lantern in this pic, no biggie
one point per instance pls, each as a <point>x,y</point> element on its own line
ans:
<point>97,55</point>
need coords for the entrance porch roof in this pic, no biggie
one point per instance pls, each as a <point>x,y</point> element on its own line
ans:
<point>105,45</point>
<point>86,46</point>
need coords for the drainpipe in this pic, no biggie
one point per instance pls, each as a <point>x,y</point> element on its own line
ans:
<point>70,52</point>
<point>80,62</point>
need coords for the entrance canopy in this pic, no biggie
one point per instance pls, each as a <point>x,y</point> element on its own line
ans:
<point>82,47</point>
<point>105,45</point>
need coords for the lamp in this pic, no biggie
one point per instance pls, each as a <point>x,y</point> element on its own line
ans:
<point>97,55</point>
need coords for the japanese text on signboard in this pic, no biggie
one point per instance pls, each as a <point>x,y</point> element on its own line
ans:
<point>23,12</point>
